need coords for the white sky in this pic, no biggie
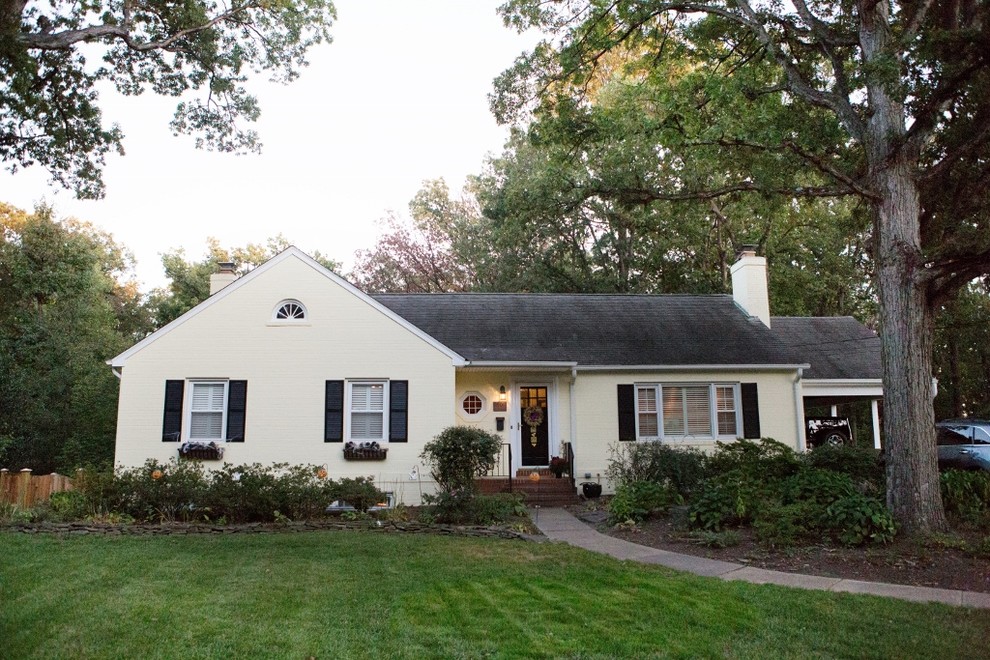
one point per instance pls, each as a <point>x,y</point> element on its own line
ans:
<point>400,96</point>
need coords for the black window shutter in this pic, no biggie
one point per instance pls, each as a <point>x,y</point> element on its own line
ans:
<point>333,420</point>
<point>172,423</point>
<point>236,408</point>
<point>627,413</point>
<point>398,411</point>
<point>750,411</point>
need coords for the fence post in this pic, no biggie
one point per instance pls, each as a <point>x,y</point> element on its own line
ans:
<point>6,487</point>
<point>24,488</point>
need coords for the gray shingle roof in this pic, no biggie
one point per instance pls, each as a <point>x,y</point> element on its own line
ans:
<point>594,329</point>
<point>837,347</point>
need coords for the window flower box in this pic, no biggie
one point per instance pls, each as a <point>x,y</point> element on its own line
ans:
<point>364,451</point>
<point>201,451</point>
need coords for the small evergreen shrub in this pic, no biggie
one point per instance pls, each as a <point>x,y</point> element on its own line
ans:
<point>460,454</point>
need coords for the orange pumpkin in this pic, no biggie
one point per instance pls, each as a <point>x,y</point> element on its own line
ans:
<point>156,475</point>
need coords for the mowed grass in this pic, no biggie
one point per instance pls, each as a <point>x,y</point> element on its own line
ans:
<point>373,595</point>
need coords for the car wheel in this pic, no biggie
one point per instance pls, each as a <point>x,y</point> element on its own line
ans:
<point>834,439</point>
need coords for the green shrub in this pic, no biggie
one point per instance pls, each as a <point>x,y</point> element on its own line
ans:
<point>730,499</point>
<point>862,464</point>
<point>497,508</point>
<point>682,468</point>
<point>69,505</point>
<point>821,487</point>
<point>638,500</point>
<point>763,460</point>
<point>360,492</point>
<point>856,519</point>
<point>966,495</point>
<point>460,454</point>
<point>786,525</point>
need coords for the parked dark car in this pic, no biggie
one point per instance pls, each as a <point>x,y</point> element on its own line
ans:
<point>963,444</point>
<point>827,431</point>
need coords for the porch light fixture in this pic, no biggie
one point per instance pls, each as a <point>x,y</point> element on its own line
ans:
<point>501,393</point>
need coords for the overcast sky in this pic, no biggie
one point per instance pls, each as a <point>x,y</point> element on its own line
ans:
<point>400,96</point>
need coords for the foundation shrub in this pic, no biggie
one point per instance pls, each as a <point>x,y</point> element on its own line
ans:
<point>638,500</point>
<point>184,491</point>
<point>158,492</point>
<point>360,492</point>
<point>460,454</point>
<point>765,460</point>
<point>864,465</point>
<point>680,468</point>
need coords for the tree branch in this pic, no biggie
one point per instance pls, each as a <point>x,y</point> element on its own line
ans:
<point>65,39</point>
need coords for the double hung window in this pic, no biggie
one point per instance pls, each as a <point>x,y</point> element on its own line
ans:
<point>367,405</point>
<point>696,410</point>
<point>208,405</point>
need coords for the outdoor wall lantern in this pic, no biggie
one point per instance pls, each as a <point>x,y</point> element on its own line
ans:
<point>501,393</point>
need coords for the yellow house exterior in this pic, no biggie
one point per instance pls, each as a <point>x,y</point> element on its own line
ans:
<point>292,364</point>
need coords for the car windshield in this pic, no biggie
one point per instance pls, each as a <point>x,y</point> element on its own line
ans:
<point>981,436</point>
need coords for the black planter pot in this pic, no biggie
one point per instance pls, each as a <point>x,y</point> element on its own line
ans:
<point>591,489</point>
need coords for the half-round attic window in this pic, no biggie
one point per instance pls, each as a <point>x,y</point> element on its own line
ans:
<point>290,310</point>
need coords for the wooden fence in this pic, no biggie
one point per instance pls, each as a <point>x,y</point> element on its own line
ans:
<point>24,490</point>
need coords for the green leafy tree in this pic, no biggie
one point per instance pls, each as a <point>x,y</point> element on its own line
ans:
<point>434,251</point>
<point>49,112</point>
<point>962,355</point>
<point>65,308</point>
<point>189,281</point>
<point>888,102</point>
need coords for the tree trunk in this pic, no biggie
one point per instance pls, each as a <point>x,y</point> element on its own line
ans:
<point>907,332</point>
<point>907,326</point>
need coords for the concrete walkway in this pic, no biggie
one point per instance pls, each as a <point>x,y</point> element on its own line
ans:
<point>561,525</point>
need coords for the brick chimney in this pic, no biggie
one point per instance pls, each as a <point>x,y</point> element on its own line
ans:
<point>225,275</point>
<point>749,284</point>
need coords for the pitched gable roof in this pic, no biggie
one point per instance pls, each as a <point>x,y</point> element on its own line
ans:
<point>594,329</point>
<point>838,347</point>
<point>291,252</point>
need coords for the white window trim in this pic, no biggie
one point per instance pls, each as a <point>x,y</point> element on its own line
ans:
<point>188,409</point>
<point>277,321</point>
<point>712,405</point>
<point>461,412</point>
<point>348,387</point>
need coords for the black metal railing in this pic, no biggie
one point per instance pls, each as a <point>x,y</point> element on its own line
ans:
<point>503,464</point>
<point>568,452</point>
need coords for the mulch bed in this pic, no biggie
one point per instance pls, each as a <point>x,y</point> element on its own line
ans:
<point>906,561</point>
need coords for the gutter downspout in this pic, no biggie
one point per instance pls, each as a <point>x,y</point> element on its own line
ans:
<point>117,371</point>
<point>799,410</point>
<point>573,409</point>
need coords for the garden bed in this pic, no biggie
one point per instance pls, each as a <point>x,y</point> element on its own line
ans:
<point>905,561</point>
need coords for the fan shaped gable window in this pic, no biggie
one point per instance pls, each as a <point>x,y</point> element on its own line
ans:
<point>290,310</point>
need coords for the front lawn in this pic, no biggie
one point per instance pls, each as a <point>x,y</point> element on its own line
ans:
<point>363,594</point>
